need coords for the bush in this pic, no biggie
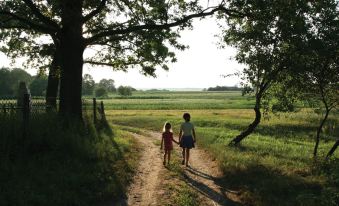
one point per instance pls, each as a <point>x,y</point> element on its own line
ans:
<point>125,91</point>
<point>101,92</point>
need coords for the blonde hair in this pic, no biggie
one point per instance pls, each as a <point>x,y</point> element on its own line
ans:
<point>169,125</point>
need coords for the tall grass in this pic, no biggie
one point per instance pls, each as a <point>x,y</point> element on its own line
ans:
<point>54,165</point>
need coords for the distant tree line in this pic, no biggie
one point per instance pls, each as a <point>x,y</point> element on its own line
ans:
<point>103,88</point>
<point>10,79</point>
<point>37,84</point>
<point>224,88</point>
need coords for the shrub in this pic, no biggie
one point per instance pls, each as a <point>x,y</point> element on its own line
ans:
<point>125,91</point>
<point>101,92</point>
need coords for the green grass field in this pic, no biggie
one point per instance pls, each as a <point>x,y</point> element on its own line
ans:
<point>179,100</point>
<point>273,166</point>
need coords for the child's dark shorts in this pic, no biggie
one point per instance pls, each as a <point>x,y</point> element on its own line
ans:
<point>187,142</point>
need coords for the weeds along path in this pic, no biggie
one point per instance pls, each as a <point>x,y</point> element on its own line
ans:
<point>201,176</point>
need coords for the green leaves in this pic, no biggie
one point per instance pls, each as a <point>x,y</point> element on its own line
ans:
<point>111,28</point>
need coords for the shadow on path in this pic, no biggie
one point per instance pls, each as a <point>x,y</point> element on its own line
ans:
<point>213,194</point>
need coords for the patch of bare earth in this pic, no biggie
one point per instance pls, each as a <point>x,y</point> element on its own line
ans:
<point>144,188</point>
<point>151,182</point>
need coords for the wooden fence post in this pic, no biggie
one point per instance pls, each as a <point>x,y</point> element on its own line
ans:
<point>103,116</point>
<point>94,111</point>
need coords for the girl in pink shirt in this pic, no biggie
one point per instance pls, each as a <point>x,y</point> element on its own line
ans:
<point>166,141</point>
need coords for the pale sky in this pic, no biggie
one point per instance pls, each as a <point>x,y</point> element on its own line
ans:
<point>200,66</point>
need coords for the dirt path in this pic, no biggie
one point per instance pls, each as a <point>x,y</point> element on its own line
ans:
<point>202,175</point>
<point>144,188</point>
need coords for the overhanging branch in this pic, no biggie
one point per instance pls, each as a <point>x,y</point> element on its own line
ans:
<point>44,19</point>
<point>23,23</point>
<point>109,64</point>
<point>137,28</point>
<point>95,12</point>
<point>99,63</point>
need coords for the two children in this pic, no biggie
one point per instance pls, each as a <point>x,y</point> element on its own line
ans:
<point>187,139</point>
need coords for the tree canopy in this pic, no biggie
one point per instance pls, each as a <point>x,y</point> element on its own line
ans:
<point>108,84</point>
<point>265,44</point>
<point>10,79</point>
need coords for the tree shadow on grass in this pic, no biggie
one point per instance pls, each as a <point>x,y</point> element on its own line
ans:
<point>263,186</point>
<point>282,130</point>
<point>273,153</point>
<point>211,193</point>
<point>120,180</point>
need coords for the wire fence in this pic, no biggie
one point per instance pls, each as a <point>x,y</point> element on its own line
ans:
<point>26,108</point>
<point>33,107</point>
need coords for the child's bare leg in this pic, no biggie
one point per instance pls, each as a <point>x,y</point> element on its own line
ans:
<point>183,156</point>
<point>168,156</point>
<point>165,157</point>
<point>187,156</point>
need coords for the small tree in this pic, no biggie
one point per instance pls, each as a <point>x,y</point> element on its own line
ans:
<point>264,41</point>
<point>10,79</point>
<point>319,63</point>
<point>38,85</point>
<point>101,92</point>
<point>125,91</point>
<point>88,85</point>
<point>108,84</point>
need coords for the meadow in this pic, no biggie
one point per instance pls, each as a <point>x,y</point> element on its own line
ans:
<point>174,100</point>
<point>273,166</point>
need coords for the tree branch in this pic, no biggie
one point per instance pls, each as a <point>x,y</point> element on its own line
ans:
<point>106,64</point>
<point>95,12</point>
<point>153,26</point>
<point>44,19</point>
<point>231,12</point>
<point>99,63</point>
<point>30,25</point>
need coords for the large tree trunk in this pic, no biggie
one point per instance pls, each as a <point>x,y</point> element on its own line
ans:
<point>335,146</point>
<point>53,82</point>
<point>253,125</point>
<point>71,48</point>
<point>315,151</point>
